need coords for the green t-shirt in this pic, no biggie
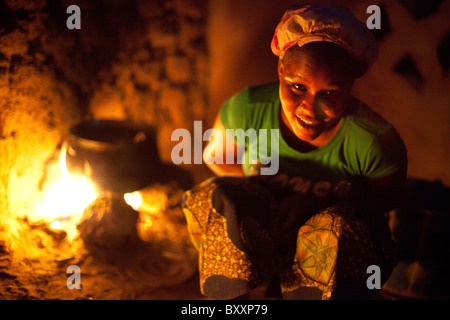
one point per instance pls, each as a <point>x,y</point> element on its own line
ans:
<point>365,144</point>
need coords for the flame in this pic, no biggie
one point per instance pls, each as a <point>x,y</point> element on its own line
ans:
<point>133,199</point>
<point>65,199</point>
<point>149,202</point>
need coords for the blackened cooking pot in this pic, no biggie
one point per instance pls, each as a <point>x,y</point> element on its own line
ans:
<point>117,155</point>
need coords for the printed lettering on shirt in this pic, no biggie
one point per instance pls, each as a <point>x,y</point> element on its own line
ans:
<point>321,188</point>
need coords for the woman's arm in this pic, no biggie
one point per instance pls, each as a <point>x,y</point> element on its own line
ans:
<point>218,148</point>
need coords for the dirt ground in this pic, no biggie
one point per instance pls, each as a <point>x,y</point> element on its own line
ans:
<point>133,270</point>
<point>118,255</point>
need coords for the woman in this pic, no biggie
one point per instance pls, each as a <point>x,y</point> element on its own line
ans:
<point>318,224</point>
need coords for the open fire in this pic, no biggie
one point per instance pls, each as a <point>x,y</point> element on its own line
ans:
<point>64,198</point>
<point>66,195</point>
<point>138,237</point>
<point>54,79</point>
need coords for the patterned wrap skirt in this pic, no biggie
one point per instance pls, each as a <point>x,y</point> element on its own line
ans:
<point>248,233</point>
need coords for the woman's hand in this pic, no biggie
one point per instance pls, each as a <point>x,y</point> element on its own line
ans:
<point>216,149</point>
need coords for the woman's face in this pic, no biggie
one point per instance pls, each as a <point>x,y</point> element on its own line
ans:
<point>313,97</point>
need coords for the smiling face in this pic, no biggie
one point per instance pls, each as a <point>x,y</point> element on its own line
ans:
<point>314,90</point>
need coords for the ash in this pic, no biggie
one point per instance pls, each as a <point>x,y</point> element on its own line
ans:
<point>120,254</point>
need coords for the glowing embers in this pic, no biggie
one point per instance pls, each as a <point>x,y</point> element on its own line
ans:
<point>151,203</point>
<point>64,198</point>
<point>151,200</point>
<point>133,199</point>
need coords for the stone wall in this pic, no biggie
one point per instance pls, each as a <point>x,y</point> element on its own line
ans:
<point>138,60</point>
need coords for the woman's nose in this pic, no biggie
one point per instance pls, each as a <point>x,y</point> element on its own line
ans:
<point>308,105</point>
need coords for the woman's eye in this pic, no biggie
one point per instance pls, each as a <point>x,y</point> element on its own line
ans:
<point>331,93</point>
<point>298,87</point>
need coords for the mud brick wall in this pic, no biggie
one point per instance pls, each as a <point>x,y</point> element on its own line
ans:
<point>138,60</point>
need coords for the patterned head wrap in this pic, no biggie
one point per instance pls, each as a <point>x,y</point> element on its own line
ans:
<point>314,22</point>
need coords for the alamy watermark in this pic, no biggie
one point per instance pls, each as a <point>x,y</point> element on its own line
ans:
<point>74,280</point>
<point>374,21</point>
<point>257,153</point>
<point>74,20</point>
<point>373,281</point>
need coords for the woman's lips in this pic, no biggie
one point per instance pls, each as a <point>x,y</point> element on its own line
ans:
<point>309,123</point>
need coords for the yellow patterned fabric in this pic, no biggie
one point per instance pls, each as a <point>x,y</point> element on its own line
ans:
<point>241,239</point>
<point>315,260</point>
<point>218,256</point>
